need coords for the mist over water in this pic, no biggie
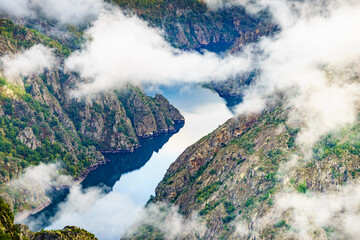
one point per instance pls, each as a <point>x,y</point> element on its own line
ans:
<point>109,205</point>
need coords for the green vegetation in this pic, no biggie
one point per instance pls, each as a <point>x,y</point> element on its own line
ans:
<point>212,172</point>
<point>183,19</point>
<point>275,156</point>
<point>249,202</point>
<point>340,143</point>
<point>14,122</point>
<point>230,209</point>
<point>302,187</point>
<point>329,231</point>
<point>204,194</point>
<point>292,134</point>
<point>245,143</point>
<point>22,37</point>
<point>281,224</point>
<point>155,10</point>
<point>67,233</point>
<point>8,231</point>
<point>146,231</point>
<point>248,168</point>
<point>209,207</point>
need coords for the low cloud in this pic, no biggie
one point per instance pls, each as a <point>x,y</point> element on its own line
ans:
<point>314,215</point>
<point>337,210</point>
<point>116,213</point>
<point>64,11</point>
<point>35,183</point>
<point>167,220</point>
<point>314,60</point>
<point>44,175</point>
<point>32,61</point>
<point>124,49</point>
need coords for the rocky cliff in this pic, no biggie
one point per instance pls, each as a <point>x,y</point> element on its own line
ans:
<point>235,178</point>
<point>193,25</point>
<point>42,123</point>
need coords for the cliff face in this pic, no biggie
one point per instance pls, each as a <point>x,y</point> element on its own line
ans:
<point>234,177</point>
<point>192,25</point>
<point>42,123</point>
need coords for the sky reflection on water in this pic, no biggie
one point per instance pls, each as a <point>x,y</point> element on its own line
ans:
<point>108,215</point>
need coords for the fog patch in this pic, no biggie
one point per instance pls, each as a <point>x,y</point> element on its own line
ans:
<point>64,11</point>
<point>45,175</point>
<point>125,49</point>
<point>338,211</point>
<point>307,62</point>
<point>166,219</point>
<point>110,216</point>
<point>105,215</point>
<point>32,61</point>
<point>34,184</point>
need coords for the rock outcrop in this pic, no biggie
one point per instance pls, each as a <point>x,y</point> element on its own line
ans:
<point>40,122</point>
<point>193,25</point>
<point>234,177</point>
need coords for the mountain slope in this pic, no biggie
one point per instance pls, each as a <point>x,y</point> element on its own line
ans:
<point>235,178</point>
<point>42,123</point>
<point>192,25</point>
<point>8,230</point>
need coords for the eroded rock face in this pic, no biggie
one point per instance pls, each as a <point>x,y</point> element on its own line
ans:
<point>28,138</point>
<point>192,25</point>
<point>41,122</point>
<point>235,177</point>
<point>151,116</point>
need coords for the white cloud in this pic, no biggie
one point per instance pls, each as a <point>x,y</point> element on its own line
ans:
<point>105,215</point>
<point>64,11</point>
<point>15,8</point>
<point>315,61</point>
<point>35,183</point>
<point>125,49</point>
<point>307,59</point>
<point>339,210</point>
<point>44,175</point>
<point>109,215</point>
<point>167,219</point>
<point>31,61</point>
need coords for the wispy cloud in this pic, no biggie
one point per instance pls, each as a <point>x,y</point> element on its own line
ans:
<point>35,183</point>
<point>338,210</point>
<point>32,61</point>
<point>64,11</point>
<point>308,60</point>
<point>124,49</point>
<point>166,218</point>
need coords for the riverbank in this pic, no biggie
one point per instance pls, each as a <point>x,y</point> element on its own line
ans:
<point>79,180</point>
<point>128,187</point>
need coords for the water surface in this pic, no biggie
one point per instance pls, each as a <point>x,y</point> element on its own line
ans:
<point>112,195</point>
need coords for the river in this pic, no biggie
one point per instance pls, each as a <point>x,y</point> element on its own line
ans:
<point>110,198</point>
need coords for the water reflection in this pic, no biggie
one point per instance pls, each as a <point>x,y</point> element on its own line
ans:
<point>110,173</point>
<point>108,214</point>
<point>105,176</point>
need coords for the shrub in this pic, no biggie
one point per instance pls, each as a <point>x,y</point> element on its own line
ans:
<point>302,188</point>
